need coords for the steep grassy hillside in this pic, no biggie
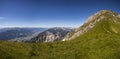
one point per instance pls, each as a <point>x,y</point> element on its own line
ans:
<point>101,42</point>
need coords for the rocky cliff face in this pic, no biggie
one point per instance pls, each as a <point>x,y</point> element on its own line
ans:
<point>50,35</point>
<point>90,23</point>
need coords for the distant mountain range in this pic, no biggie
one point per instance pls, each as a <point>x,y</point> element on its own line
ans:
<point>12,33</point>
<point>49,35</point>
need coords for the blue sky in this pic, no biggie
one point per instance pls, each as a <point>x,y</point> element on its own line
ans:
<point>51,13</point>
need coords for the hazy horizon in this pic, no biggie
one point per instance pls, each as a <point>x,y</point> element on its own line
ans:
<point>37,27</point>
<point>51,13</point>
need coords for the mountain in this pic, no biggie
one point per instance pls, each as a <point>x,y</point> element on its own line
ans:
<point>105,21</point>
<point>97,38</point>
<point>52,34</point>
<point>5,29</point>
<point>26,38</point>
<point>12,33</point>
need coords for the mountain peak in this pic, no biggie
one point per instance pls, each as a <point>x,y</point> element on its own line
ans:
<point>109,12</point>
<point>105,16</point>
<point>101,14</point>
<point>106,11</point>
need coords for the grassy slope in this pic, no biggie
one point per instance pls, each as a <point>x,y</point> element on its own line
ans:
<point>100,42</point>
